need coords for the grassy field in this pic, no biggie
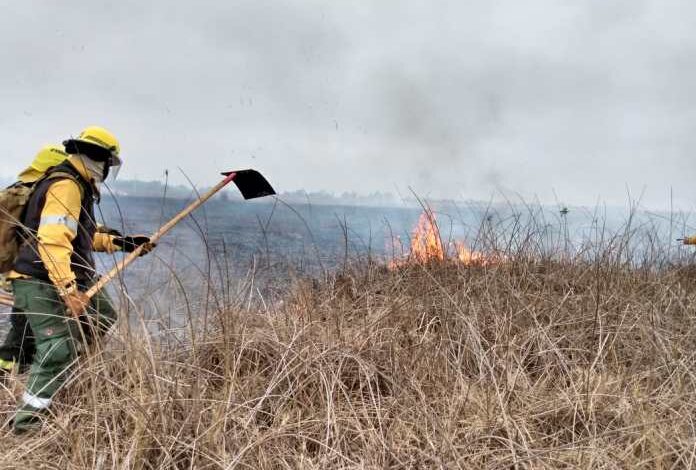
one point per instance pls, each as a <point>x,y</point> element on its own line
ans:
<point>528,352</point>
<point>521,364</point>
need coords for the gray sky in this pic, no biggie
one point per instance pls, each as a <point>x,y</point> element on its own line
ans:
<point>454,98</point>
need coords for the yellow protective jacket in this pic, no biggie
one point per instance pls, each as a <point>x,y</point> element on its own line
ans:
<point>62,218</point>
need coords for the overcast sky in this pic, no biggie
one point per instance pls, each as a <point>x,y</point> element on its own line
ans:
<point>454,98</point>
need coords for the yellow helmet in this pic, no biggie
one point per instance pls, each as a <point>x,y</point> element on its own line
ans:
<point>96,142</point>
<point>48,157</point>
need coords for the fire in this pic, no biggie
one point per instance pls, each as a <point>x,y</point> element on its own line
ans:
<point>427,246</point>
<point>426,243</point>
<point>468,257</point>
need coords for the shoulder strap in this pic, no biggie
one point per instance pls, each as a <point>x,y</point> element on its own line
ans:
<point>65,175</point>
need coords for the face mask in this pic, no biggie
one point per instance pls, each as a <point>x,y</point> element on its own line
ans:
<point>95,169</point>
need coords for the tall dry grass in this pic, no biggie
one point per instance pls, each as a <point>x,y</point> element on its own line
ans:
<point>522,365</point>
<point>536,362</point>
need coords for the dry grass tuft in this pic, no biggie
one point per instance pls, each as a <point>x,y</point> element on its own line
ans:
<point>523,365</point>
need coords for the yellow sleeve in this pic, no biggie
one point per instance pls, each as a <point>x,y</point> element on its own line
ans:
<point>57,230</point>
<point>104,242</point>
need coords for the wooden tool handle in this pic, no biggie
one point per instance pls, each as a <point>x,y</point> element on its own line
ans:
<point>121,265</point>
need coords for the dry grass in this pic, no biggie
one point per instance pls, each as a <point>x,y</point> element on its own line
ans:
<point>523,365</point>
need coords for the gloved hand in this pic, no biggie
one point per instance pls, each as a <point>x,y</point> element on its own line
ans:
<point>131,242</point>
<point>76,303</point>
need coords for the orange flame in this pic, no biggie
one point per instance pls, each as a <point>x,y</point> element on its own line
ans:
<point>475,258</point>
<point>427,246</point>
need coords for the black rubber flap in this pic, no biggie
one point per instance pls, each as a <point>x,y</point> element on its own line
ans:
<point>252,184</point>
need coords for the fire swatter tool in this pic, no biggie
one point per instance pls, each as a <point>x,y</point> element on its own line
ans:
<point>250,183</point>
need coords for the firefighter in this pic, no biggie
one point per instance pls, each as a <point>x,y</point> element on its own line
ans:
<point>55,267</point>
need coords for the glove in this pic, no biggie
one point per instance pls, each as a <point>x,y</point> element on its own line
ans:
<point>76,302</point>
<point>131,242</point>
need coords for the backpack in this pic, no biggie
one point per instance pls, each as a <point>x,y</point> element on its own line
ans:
<point>13,201</point>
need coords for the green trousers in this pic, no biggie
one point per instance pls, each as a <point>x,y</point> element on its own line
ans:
<point>57,336</point>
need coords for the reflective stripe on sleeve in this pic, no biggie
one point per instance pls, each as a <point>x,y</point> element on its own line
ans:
<point>36,402</point>
<point>65,220</point>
